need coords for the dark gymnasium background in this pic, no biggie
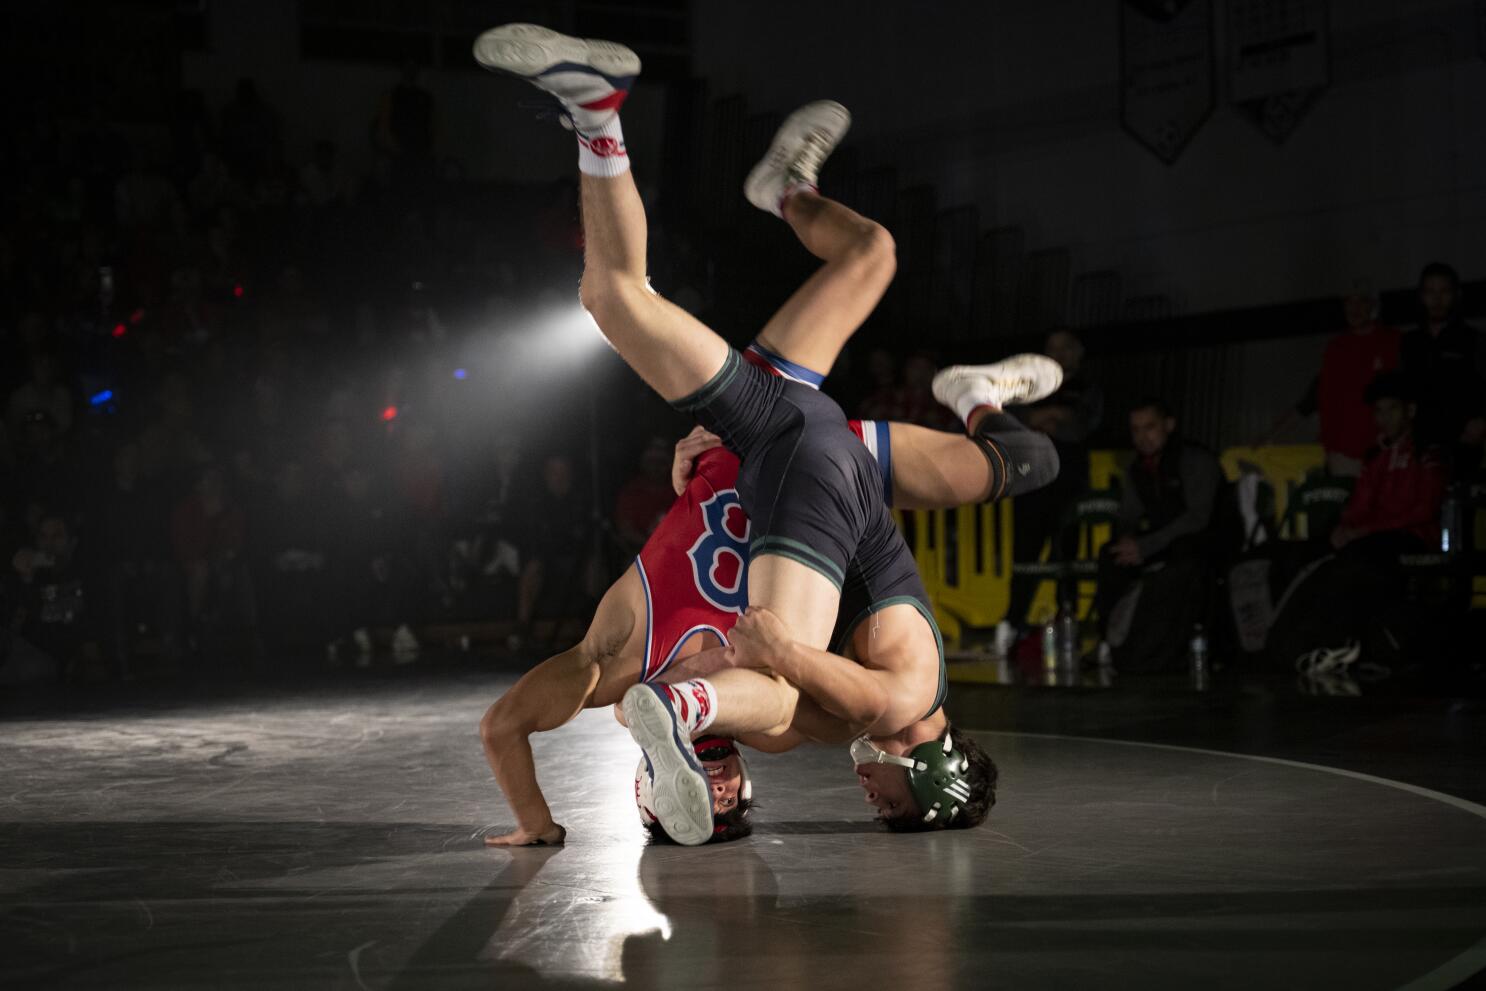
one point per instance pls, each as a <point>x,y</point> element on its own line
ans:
<point>308,451</point>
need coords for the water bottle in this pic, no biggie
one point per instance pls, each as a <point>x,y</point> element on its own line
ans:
<point>1198,657</point>
<point>1067,635</point>
<point>1450,524</point>
<point>1050,644</point>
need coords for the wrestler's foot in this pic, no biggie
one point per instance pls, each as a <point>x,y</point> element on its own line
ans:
<point>801,145</point>
<point>1022,378</point>
<point>589,78</point>
<point>682,800</point>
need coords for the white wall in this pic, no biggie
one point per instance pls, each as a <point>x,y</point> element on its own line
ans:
<point>1014,107</point>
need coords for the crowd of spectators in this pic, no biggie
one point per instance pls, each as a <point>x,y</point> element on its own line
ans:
<point>244,419</point>
<point>258,410</point>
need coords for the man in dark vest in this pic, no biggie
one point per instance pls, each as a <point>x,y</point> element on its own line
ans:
<point>1163,538</point>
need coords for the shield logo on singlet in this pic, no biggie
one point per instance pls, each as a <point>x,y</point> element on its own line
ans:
<point>719,558</point>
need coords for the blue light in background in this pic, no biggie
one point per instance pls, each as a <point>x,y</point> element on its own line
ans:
<point>461,374</point>
<point>99,398</point>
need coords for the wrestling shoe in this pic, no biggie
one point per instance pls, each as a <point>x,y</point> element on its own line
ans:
<point>800,147</point>
<point>1020,379</point>
<point>589,79</point>
<point>681,799</point>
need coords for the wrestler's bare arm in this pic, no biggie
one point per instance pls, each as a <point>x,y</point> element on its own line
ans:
<point>546,697</point>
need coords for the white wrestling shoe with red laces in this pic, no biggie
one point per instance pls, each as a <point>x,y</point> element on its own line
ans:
<point>589,79</point>
<point>800,147</point>
<point>1020,379</point>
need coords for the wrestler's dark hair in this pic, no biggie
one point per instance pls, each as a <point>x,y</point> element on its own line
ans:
<point>981,777</point>
<point>734,824</point>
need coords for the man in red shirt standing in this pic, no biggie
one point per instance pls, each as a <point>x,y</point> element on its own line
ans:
<point>1353,358</point>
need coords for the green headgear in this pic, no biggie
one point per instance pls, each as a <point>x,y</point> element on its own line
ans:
<point>936,774</point>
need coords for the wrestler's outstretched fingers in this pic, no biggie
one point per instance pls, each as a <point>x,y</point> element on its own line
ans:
<point>688,449</point>
<point>554,835</point>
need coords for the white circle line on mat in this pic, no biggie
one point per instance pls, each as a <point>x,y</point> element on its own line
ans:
<point>1449,974</point>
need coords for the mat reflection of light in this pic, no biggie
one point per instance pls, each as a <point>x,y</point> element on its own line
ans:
<point>603,899</point>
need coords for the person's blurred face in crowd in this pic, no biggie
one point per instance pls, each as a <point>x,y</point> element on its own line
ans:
<point>1066,349</point>
<point>1437,296</point>
<point>918,373</point>
<point>1361,309</point>
<point>557,475</point>
<point>1150,430</point>
<point>1394,417</point>
<point>52,538</point>
<point>655,462</point>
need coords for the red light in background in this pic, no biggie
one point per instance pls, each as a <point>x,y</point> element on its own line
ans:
<point>389,414</point>
<point>120,330</point>
<point>237,291</point>
<point>136,317</point>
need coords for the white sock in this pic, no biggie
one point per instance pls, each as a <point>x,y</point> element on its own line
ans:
<point>601,152</point>
<point>695,702</point>
<point>972,397</point>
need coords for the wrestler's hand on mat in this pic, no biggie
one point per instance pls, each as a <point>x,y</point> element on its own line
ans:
<point>757,638</point>
<point>553,835</point>
<point>688,449</point>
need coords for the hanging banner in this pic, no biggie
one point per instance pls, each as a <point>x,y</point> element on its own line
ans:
<point>1278,60</point>
<point>1166,72</point>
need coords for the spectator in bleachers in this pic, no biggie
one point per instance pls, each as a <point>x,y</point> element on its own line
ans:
<point>371,560</point>
<point>1352,605</point>
<point>911,402</point>
<point>40,393</point>
<point>556,551</point>
<point>645,498</point>
<point>1446,357</point>
<point>290,551</point>
<point>1162,551</point>
<point>52,595</point>
<point>1353,358</point>
<point>1395,507</point>
<point>250,135</point>
<point>133,545</point>
<point>208,535</point>
<point>1069,416</point>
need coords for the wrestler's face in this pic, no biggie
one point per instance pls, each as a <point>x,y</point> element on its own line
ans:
<point>724,778</point>
<point>886,789</point>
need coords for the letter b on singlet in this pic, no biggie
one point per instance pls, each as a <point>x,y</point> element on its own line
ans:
<point>719,558</point>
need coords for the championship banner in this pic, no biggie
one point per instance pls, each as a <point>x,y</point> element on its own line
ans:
<point>1166,72</point>
<point>1278,60</point>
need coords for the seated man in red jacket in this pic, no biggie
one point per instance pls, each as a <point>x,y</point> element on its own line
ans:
<point>1395,507</point>
<point>1350,607</point>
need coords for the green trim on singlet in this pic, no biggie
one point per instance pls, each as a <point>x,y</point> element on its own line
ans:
<point>715,385</point>
<point>844,640</point>
<point>797,551</point>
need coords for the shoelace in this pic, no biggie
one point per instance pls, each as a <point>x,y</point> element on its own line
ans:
<point>812,154</point>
